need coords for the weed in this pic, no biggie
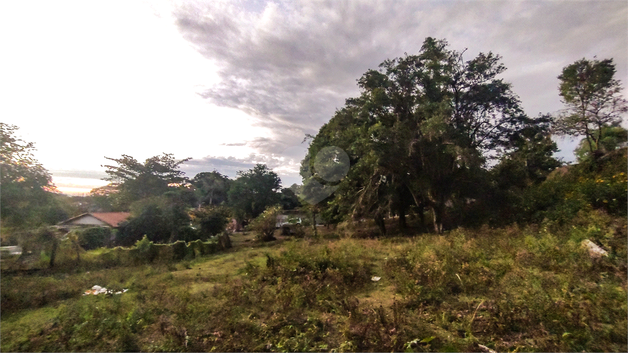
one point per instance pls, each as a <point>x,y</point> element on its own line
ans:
<point>532,288</point>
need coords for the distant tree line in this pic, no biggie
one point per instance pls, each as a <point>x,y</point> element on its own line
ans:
<point>167,206</point>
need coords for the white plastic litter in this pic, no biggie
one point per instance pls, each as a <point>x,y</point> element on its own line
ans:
<point>594,250</point>
<point>375,278</point>
<point>102,290</point>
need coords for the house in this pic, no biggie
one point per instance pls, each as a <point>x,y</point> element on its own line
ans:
<point>97,219</point>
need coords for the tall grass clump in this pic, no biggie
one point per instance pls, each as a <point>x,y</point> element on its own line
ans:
<point>534,289</point>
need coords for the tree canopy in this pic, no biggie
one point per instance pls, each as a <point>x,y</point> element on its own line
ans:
<point>419,133</point>
<point>611,138</point>
<point>135,181</point>
<point>26,188</point>
<point>593,100</point>
<point>211,187</point>
<point>253,191</point>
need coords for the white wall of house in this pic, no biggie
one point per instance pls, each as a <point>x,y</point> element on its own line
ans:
<point>88,220</point>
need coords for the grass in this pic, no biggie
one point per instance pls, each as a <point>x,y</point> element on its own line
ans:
<point>511,289</point>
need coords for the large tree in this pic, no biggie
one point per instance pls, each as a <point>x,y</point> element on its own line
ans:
<point>26,188</point>
<point>593,99</point>
<point>134,181</point>
<point>419,133</point>
<point>526,166</point>
<point>253,191</point>
<point>211,187</point>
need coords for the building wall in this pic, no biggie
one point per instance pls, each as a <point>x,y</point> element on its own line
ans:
<point>88,220</point>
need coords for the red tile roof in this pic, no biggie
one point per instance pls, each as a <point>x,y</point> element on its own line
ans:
<point>112,218</point>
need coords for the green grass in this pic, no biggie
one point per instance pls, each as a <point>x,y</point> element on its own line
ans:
<point>511,289</point>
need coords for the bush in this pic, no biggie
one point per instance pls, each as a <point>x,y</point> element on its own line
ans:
<point>265,223</point>
<point>161,219</point>
<point>179,250</point>
<point>93,237</point>
<point>210,220</point>
<point>601,185</point>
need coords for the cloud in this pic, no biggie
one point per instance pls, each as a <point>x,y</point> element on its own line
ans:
<point>225,165</point>
<point>286,164</point>
<point>290,65</point>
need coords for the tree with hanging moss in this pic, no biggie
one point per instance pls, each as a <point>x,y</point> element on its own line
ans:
<point>419,134</point>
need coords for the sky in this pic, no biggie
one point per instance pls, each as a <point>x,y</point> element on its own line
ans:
<point>235,83</point>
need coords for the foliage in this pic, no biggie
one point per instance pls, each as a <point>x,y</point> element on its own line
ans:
<point>212,187</point>
<point>530,289</point>
<point>210,220</point>
<point>421,135</point>
<point>417,135</point>
<point>93,237</point>
<point>133,181</point>
<point>39,245</point>
<point>593,98</point>
<point>600,184</point>
<point>253,191</point>
<point>525,167</point>
<point>289,199</point>
<point>26,188</point>
<point>265,223</point>
<point>612,138</point>
<point>107,199</point>
<point>162,219</point>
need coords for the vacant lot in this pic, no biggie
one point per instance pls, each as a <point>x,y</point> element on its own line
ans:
<point>508,289</point>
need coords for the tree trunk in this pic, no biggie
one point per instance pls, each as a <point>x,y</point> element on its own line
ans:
<point>420,204</point>
<point>173,236</point>
<point>402,213</point>
<point>438,210</point>
<point>379,220</point>
<point>403,225</point>
<point>53,252</point>
<point>421,208</point>
<point>314,223</point>
<point>78,252</point>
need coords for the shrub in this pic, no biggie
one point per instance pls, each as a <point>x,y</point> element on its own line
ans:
<point>93,237</point>
<point>160,218</point>
<point>601,185</point>
<point>210,220</point>
<point>179,250</point>
<point>265,223</point>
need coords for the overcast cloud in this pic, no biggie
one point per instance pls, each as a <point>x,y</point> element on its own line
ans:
<point>234,83</point>
<point>292,64</point>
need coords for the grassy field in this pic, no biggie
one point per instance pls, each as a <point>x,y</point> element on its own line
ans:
<point>511,289</point>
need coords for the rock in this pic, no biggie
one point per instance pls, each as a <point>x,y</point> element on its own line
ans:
<point>102,290</point>
<point>485,349</point>
<point>594,250</point>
